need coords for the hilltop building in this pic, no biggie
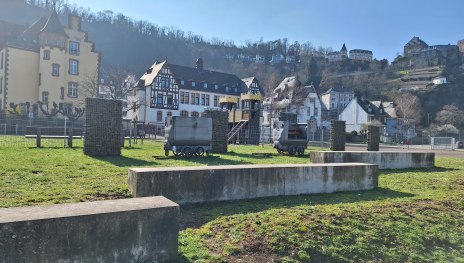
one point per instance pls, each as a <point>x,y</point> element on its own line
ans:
<point>47,62</point>
<point>361,55</point>
<point>421,54</point>
<point>338,55</point>
<point>354,54</point>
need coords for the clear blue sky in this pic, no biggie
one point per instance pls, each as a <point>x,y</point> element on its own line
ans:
<point>383,26</point>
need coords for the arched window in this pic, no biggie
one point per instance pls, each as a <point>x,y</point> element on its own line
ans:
<point>195,114</point>
<point>159,116</point>
<point>184,113</point>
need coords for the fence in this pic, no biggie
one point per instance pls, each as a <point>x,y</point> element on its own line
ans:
<point>54,132</point>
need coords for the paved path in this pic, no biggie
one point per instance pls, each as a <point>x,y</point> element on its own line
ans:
<point>389,148</point>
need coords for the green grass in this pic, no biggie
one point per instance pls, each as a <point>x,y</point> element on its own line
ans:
<point>30,176</point>
<point>414,215</point>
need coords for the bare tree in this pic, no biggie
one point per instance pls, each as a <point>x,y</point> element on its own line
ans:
<point>450,114</point>
<point>409,109</point>
<point>113,85</point>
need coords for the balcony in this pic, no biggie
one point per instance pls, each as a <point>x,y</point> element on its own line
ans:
<point>251,96</point>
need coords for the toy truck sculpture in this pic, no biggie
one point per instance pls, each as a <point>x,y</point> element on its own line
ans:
<point>290,137</point>
<point>188,136</point>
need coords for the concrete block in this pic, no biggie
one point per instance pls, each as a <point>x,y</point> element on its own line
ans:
<point>102,231</point>
<point>219,183</point>
<point>385,160</point>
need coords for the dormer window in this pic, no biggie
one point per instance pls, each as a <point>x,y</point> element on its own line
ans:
<point>235,89</point>
<point>216,86</point>
<point>46,55</point>
<point>205,85</point>
<point>182,82</point>
<point>193,83</point>
<point>227,89</point>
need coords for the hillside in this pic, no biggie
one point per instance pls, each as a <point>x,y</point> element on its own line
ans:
<point>135,45</point>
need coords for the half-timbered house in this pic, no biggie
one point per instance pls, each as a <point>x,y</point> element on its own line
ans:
<point>173,90</point>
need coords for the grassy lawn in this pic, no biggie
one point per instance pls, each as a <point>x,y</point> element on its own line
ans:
<point>30,176</point>
<point>414,215</point>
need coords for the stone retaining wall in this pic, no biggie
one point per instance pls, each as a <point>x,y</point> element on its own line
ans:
<point>385,160</point>
<point>103,231</point>
<point>218,183</point>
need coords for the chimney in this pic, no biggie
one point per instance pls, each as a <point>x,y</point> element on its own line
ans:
<point>199,64</point>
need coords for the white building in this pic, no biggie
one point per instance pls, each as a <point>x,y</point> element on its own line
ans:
<point>260,59</point>
<point>439,80</point>
<point>337,98</point>
<point>360,112</point>
<point>173,90</point>
<point>291,96</point>
<point>361,55</point>
<point>277,59</point>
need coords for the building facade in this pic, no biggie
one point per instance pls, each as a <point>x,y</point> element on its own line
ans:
<point>291,96</point>
<point>360,112</point>
<point>47,62</point>
<point>336,56</point>
<point>172,90</point>
<point>361,55</point>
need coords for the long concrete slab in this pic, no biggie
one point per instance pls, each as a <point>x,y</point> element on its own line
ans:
<point>385,160</point>
<point>218,183</point>
<point>103,231</point>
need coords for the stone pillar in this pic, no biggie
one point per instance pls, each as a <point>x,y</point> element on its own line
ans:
<point>103,127</point>
<point>337,136</point>
<point>220,129</point>
<point>373,138</point>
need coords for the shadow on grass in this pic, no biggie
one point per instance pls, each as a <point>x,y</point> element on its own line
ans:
<point>196,215</point>
<point>418,170</point>
<point>123,161</point>
<point>263,155</point>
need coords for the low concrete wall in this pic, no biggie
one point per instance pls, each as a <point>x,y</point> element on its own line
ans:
<point>218,183</point>
<point>385,160</point>
<point>102,231</point>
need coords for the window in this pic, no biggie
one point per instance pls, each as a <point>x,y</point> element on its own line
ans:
<point>205,85</point>
<point>46,55</point>
<point>316,111</point>
<point>74,48</point>
<point>197,98</point>
<point>184,97</point>
<point>169,100</point>
<point>1,63</point>
<point>55,70</point>
<point>182,82</point>
<point>227,89</point>
<point>308,112</point>
<point>62,93</point>
<point>215,100</point>
<point>195,114</point>
<point>159,99</point>
<point>73,67</point>
<point>207,100</point>
<point>72,90</point>
<point>159,115</point>
<point>192,98</point>
<point>45,97</point>
<point>216,86</point>
<point>193,83</point>
<point>169,113</point>
<point>203,99</point>
<point>1,87</point>
<point>184,113</point>
<point>165,82</point>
